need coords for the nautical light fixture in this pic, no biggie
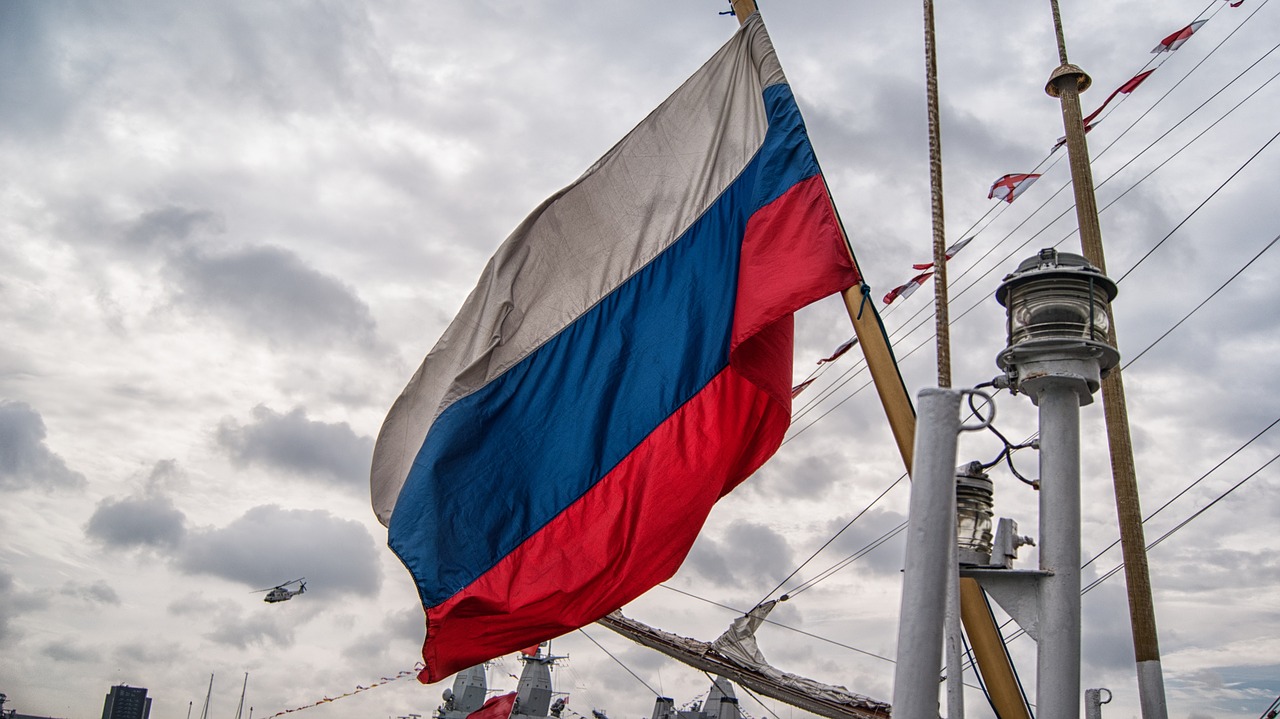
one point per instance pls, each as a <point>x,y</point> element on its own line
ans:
<point>1059,315</point>
<point>973,515</point>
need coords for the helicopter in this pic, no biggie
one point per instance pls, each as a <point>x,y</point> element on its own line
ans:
<point>281,592</point>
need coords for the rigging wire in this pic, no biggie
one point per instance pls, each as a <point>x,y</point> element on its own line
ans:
<point>1185,75</point>
<point>829,391</point>
<point>1012,448</point>
<point>1116,569</point>
<point>1188,488</point>
<point>1184,522</point>
<point>1205,301</point>
<point>753,696</point>
<point>619,661</point>
<point>867,549</point>
<point>829,541</point>
<point>1197,209</point>
<point>811,635</point>
<point>1010,254</point>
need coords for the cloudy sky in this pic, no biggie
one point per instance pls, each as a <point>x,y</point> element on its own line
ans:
<point>230,231</point>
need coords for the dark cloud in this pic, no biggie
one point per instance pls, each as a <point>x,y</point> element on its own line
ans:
<point>25,461</point>
<point>261,289</point>
<point>269,545</point>
<point>271,292</point>
<point>98,592</point>
<point>251,631</point>
<point>169,227</point>
<point>144,654</point>
<point>14,602</point>
<point>330,452</point>
<point>34,97</point>
<point>866,546</point>
<point>1106,639</point>
<point>404,626</point>
<point>137,522</point>
<point>809,476</point>
<point>747,552</point>
<point>69,651</point>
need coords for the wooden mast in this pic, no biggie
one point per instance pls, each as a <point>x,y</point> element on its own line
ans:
<point>1066,83</point>
<point>991,656</point>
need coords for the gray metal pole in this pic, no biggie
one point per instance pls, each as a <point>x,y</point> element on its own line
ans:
<point>930,532</point>
<point>1058,658</point>
<point>955,650</point>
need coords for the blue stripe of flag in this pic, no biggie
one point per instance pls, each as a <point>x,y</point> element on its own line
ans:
<point>501,463</point>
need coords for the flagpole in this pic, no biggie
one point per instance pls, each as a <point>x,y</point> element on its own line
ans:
<point>942,321</point>
<point>1066,83</point>
<point>942,333</point>
<point>979,623</point>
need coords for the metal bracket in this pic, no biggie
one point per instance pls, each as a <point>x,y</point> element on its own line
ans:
<point>1016,591</point>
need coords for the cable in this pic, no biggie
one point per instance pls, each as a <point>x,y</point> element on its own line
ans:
<point>619,661</point>
<point>873,545</point>
<point>832,539</point>
<point>834,387</point>
<point>1197,209</point>
<point>1188,488</point>
<point>776,624</point>
<point>1205,301</point>
<point>1116,569</point>
<point>1186,521</point>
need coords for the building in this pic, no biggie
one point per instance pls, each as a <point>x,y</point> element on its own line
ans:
<point>126,702</point>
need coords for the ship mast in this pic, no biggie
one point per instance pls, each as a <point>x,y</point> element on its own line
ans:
<point>1066,83</point>
<point>240,708</point>
<point>204,713</point>
<point>991,656</point>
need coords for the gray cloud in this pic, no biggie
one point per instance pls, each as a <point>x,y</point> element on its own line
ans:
<point>14,602</point>
<point>868,539</point>
<point>330,452</point>
<point>244,632</point>
<point>264,290</point>
<point>25,460</point>
<point>406,625</point>
<point>1106,638</point>
<point>269,545</point>
<point>169,227</point>
<point>747,552</point>
<point>143,654</point>
<point>35,100</point>
<point>70,651</point>
<point>271,292</point>
<point>98,592</point>
<point>137,522</point>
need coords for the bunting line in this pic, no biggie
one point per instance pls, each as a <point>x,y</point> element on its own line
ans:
<point>359,688</point>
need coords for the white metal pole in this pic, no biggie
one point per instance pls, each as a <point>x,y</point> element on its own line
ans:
<point>930,531</point>
<point>1058,660</point>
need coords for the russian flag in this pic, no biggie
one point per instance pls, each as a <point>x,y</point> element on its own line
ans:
<point>624,362</point>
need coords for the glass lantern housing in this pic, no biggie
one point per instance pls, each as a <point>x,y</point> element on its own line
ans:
<point>973,515</point>
<point>1058,304</point>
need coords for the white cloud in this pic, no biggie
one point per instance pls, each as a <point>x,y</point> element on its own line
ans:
<point>214,208</point>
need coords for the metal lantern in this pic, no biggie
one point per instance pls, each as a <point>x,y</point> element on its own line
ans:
<point>973,515</point>
<point>1059,317</point>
